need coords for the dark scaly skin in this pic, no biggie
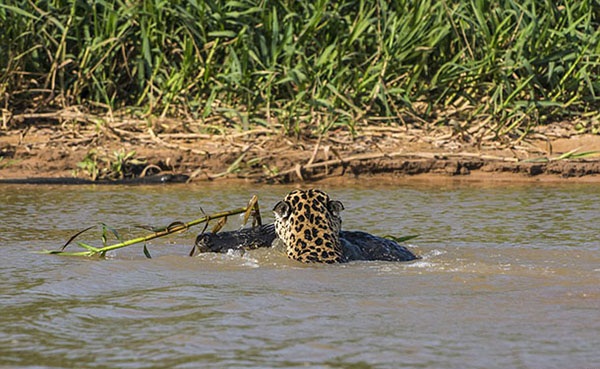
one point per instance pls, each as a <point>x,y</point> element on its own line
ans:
<point>322,219</point>
<point>356,245</point>
<point>244,239</point>
<point>359,245</point>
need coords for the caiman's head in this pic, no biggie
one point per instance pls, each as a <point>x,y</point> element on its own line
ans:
<point>309,223</point>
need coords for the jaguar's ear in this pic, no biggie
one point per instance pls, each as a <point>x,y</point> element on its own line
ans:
<point>282,210</point>
<point>335,207</point>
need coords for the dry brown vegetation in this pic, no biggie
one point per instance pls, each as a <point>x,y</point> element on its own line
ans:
<point>59,145</point>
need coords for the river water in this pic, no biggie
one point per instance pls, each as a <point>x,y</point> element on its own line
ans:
<point>510,278</point>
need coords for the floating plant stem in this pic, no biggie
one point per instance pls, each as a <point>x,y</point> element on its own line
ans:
<point>175,227</point>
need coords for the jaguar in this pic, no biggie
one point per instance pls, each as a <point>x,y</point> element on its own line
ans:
<point>308,227</point>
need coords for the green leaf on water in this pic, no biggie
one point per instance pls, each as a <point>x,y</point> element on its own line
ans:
<point>74,236</point>
<point>87,247</point>
<point>147,253</point>
<point>52,252</point>
<point>112,230</point>
<point>176,224</point>
<point>401,239</point>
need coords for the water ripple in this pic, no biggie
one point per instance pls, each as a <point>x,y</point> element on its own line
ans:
<point>508,278</point>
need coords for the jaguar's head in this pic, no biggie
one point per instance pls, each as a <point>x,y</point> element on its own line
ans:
<point>309,223</point>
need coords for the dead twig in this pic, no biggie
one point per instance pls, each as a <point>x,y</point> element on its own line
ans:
<point>156,139</point>
<point>371,156</point>
<point>315,151</point>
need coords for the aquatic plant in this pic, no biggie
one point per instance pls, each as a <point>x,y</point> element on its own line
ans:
<point>251,210</point>
<point>509,64</point>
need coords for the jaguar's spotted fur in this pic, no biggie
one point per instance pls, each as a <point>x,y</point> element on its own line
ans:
<point>308,225</point>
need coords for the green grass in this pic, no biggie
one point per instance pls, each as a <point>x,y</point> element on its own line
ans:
<point>120,165</point>
<point>318,63</point>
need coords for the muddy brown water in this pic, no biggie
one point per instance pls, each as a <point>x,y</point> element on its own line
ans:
<point>509,279</point>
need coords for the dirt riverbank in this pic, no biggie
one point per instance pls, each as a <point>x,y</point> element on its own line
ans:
<point>209,153</point>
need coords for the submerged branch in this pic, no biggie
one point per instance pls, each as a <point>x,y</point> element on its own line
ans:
<point>250,210</point>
